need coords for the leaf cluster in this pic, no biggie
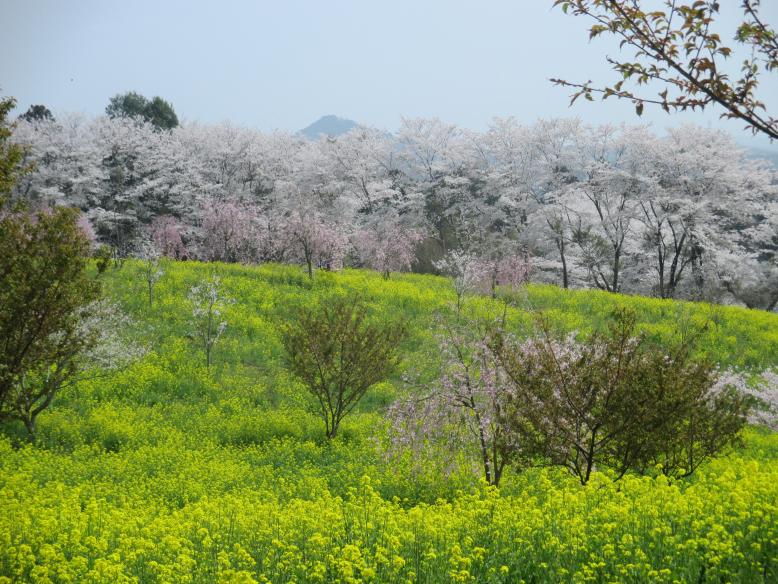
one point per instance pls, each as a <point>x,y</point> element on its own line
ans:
<point>678,48</point>
<point>12,164</point>
<point>615,401</point>
<point>339,353</point>
<point>43,290</point>
<point>156,111</point>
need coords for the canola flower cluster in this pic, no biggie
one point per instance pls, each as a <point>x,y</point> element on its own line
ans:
<point>173,472</point>
<point>722,528</point>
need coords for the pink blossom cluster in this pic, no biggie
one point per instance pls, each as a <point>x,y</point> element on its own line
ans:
<point>472,274</point>
<point>460,408</point>
<point>391,249</point>
<point>306,235</point>
<point>509,271</point>
<point>165,232</point>
<point>232,231</point>
<point>86,226</point>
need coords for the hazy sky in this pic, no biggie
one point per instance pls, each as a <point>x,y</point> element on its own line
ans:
<point>283,64</point>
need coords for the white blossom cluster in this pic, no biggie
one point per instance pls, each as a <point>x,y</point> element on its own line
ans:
<point>682,215</point>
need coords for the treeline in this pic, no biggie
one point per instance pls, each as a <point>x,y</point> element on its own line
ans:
<point>685,215</point>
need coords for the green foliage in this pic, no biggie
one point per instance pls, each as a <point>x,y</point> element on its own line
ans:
<point>156,111</point>
<point>161,114</point>
<point>614,401</point>
<point>37,113</point>
<point>11,155</point>
<point>103,256</point>
<point>43,291</point>
<point>170,471</point>
<point>339,355</point>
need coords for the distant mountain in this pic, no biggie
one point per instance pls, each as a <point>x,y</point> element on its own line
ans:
<point>765,154</point>
<point>328,126</point>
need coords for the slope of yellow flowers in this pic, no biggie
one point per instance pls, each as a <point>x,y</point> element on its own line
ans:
<point>171,472</point>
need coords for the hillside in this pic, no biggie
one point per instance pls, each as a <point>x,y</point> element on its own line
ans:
<point>328,126</point>
<point>172,472</point>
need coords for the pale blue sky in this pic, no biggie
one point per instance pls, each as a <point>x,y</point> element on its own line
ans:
<point>283,64</point>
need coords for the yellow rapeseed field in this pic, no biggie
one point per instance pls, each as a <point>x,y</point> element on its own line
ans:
<point>172,472</point>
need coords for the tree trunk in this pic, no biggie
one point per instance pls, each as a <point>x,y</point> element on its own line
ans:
<point>332,429</point>
<point>30,425</point>
<point>484,447</point>
<point>565,281</point>
<point>616,269</point>
<point>208,343</point>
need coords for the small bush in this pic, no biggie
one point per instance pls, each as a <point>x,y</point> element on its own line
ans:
<point>339,355</point>
<point>615,401</point>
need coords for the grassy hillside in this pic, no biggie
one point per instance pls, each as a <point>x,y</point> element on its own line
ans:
<point>171,472</point>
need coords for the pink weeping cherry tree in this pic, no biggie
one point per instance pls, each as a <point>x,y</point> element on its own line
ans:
<point>165,232</point>
<point>388,249</point>
<point>508,271</point>
<point>307,236</point>
<point>231,232</point>
<point>459,409</point>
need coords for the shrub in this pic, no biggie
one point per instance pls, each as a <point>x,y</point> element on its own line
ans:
<point>615,401</point>
<point>339,355</point>
<point>44,295</point>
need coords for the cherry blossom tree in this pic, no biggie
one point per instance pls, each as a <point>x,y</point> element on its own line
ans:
<point>431,148</point>
<point>232,232</point>
<point>749,281</point>
<point>762,388</point>
<point>603,206</point>
<point>151,271</point>
<point>505,271</point>
<point>614,400</point>
<point>165,232</point>
<point>618,208</point>
<point>510,164</point>
<point>512,153</point>
<point>388,246</point>
<point>466,271</point>
<point>103,348</point>
<point>701,185</point>
<point>123,145</point>
<point>461,406</point>
<point>362,161</point>
<point>308,237</point>
<point>66,159</point>
<point>550,178</point>
<point>553,225</point>
<point>86,227</point>
<point>207,322</point>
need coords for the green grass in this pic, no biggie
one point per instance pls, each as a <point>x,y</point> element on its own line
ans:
<point>171,472</point>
